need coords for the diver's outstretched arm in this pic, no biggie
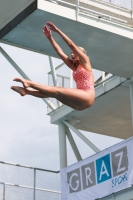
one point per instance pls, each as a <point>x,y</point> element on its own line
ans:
<point>83,57</point>
<point>63,56</point>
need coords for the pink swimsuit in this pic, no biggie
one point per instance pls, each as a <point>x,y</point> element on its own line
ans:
<point>82,78</point>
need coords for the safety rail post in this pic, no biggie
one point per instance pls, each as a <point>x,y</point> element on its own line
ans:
<point>3,191</point>
<point>71,79</point>
<point>132,9</point>
<point>103,76</point>
<point>103,80</point>
<point>77,10</point>
<point>34,185</point>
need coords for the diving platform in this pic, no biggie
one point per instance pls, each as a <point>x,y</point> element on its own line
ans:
<point>110,115</point>
<point>107,38</point>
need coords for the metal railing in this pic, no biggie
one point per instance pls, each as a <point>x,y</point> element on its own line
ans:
<point>121,4</point>
<point>28,183</point>
<point>120,12</point>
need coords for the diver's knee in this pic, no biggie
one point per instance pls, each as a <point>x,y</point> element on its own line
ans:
<point>83,107</point>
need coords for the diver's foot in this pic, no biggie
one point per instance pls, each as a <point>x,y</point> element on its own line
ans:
<point>20,90</point>
<point>26,83</point>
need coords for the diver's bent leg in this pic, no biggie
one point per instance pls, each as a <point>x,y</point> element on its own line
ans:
<point>45,89</point>
<point>23,81</point>
<point>37,93</point>
<point>75,98</point>
<point>22,91</point>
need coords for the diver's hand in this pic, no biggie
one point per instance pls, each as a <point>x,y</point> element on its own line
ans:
<point>47,32</point>
<point>52,26</point>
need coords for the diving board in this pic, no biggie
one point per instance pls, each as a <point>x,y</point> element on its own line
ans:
<point>110,115</point>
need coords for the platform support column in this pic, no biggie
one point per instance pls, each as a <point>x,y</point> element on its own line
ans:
<point>53,71</point>
<point>62,145</point>
<point>54,76</point>
<point>73,144</point>
<point>34,185</point>
<point>78,133</point>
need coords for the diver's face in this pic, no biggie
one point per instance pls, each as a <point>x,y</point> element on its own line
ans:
<point>74,57</point>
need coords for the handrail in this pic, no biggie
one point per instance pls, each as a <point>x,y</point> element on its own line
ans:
<point>17,165</point>
<point>111,5</point>
<point>100,14</point>
<point>23,186</point>
<point>100,78</point>
<point>97,1</point>
<point>105,80</point>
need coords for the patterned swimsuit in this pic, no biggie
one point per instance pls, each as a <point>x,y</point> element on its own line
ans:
<point>82,78</point>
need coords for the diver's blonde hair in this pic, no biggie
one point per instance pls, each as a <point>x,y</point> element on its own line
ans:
<point>82,49</point>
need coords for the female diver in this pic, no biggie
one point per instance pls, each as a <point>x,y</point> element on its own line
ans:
<point>80,98</point>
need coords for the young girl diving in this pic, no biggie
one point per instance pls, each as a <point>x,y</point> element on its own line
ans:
<point>80,98</point>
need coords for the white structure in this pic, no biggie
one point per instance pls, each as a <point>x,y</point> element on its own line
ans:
<point>108,33</point>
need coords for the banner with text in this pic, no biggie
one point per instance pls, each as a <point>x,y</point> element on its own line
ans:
<point>102,174</point>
